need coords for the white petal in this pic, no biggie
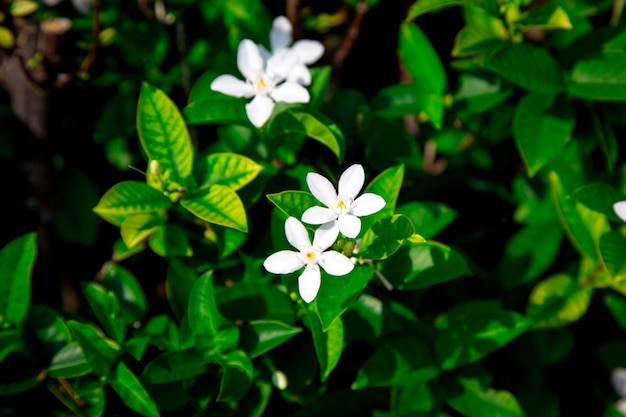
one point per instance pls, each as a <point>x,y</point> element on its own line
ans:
<point>335,263</point>
<point>280,35</point>
<point>83,6</point>
<point>283,262</point>
<point>618,378</point>
<point>308,51</point>
<point>321,188</point>
<point>620,405</point>
<point>296,234</point>
<point>620,209</point>
<point>279,64</point>
<point>318,215</point>
<point>309,283</point>
<point>349,225</point>
<point>227,84</point>
<point>299,74</point>
<point>351,181</point>
<point>259,110</point>
<point>368,203</point>
<point>265,54</point>
<point>290,92</point>
<point>249,60</point>
<point>326,235</point>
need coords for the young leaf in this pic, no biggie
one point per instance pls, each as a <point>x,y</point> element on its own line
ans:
<point>312,124</point>
<point>396,363</point>
<point>137,228</point>
<point>163,132</point>
<point>228,169</point>
<point>17,259</point>
<point>558,301</point>
<point>260,336</point>
<point>132,392</point>
<point>468,332</point>
<point>220,205</point>
<point>101,353</point>
<point>541,127</point>
<point>130,197</point>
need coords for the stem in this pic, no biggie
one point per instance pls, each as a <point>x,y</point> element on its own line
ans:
<point>351,36</point>
<point>95,34</point>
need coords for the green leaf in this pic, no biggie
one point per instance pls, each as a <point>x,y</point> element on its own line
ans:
<point>396,363</point>
<point>90,392</point>
<point>130,197</point>
<point>328,345</point>
<point>69,362</point>
<point>612,250</point>
<point>132,392</point>
<point>129,292</point>
<point>470,331</point>
<point>293,203</point>
<point>106,307</point>
<point>600,197</point>
<point>162,332</point>
<point>180,280</point>
<point>421,265</point>
<point>174,366</point>
<point>17,259</point>
<point>553,345</point>
<point>541,127</point>
<point>428,218</point>
<point>260,336</point>
<point>7,39</point>
<point>377,131</point>
<point>101,353</point>
<point>204,317</point>
<point>48,329</point>
<point>426,6</point>
<point>312,124</point>
<point>557,301</point>
<point>338,293</point>
<point>320,79</point>
<point>20,8</point>
<point>600,79</point>
<point>527,65</point>
<point>163,132</point>
<point>253,300</point>
<point>220,205</point>
<point>10,341</point>
<point>237,378</point>
<point>385,237</point>
<point>228,169</point>
<point>137,228</point>
<point>217,108</point>
<point>616,303</point>
<point>170,241</point>
<point>387,185</point>
<point>22,385</point>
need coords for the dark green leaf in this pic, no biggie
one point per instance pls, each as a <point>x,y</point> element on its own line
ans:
<point>260,336</point>
<point>180,279</point>
<point>600,79</point>
<point>69,362</point>
<point>106,307</point>
<point>428,218</point>
<point>426,6</point>
<point>132,392</point>
<point>255,301</point>
<point>379,134</point>
<point>237,377</point>
<point>600,197</point>
<point>101,353</point>
<point>612,250</point>
<point>17,259</point>
<point>385,237</point>
<point>320,78</point>
<point>128,290</point>
<point>170,241</point>
<point>387,185</point>
<point>217,108</point>
<point>174,366</point>
<point>329,344</point>
<point>205,319</point>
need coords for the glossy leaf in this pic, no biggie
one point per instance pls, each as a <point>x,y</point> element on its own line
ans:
<point>137,228</point>
<point>426,6</point>
<point>228,169</point>
<point>237,378</point>
<point>163,132</point>
<point>132,392</point>
<point>293,203</point>
<point>612,250</point>
<point>600,197</point>
<point>385,237</point>
<point>106,307</point>
<point>217,108</point>
<point>219,205</point>
<point>17,259</point>
<point>69,362</point>
<point>468,332</point>
<point>320,79</point>
<point>387,185</point>
<point>130,197</point>
<point>204,317</point>
<point>101,353</point>
<point>260,336</point>
<point>129,292</point>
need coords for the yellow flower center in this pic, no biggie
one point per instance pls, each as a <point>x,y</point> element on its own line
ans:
<point>310,255</point>
<point>261,84</point>
<point>341,205</point>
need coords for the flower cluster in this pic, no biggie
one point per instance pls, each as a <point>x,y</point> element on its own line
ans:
<point>271,76</point>
<point>341,214</point>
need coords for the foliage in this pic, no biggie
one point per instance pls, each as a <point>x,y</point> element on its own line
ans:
<point>302,242</point>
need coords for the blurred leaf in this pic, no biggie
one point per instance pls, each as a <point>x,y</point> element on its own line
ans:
<point>546,16</point>
<point>20,8</point>
<point>7,39</point>
<point>600,197</point>
<point>376,132</point>
<point>129,292</point>
<point>338,293</point>
<point>237,378</point>
<point>106,307</point>
<point>219,205</point>
<point>387,185</point>
<point>170,241</point>
<point>260,336</point>
<point>470,331</point>
<point>541,127</point>
<point>526,65</point>
<point>413,397</point>
<point>293,203</point>
<point>101,353</point>
<point>557,301</point>
<point>11,340</point>
<point>130,197</point>
<point>477,95</point>
<point>616,303</point>
<point>600,79</point>
<point>132,392</point>
<point>17,260</point>
<point>69,362</point>
<point>228,169</point>
<point>162,332</point>
<point>386,236</point>
<point>174,366</point>
<point>329,344</point>
<point>553,345</point>
<point>320,77</point>
<point>346,402</point>
<point>217,108</point>
<point>91,393</point>
<point>396,363</point>
<point>180,280</point>
<point>163,133</point>
<point>426,6</point>
<point>312,124</point>
<point>21,385</point>
<point>428,218</point>
<point>612,250</point>
<point>250,301</point>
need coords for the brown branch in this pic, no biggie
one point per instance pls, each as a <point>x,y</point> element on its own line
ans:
<point>351,35</point>
<point>95,39</point>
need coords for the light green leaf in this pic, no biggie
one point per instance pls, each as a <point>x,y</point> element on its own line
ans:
<point>163,132</point>
<point>228,169</point>
<point>546,16</point>
<point>396,363</point>
<point>426,6</point>
<point>17,259</point>
<point>385,237</point>
<point>7,39</point>
<point>101,353</point>
<point>130,197</point>
<point>20,8</point>
<point>174,366</point>
<point>558,301</point>
<point>312,124</point>
<point>600,79</point>
<point>137,228</point>
<point>132,392</point>
<point>69,362</point>
<point>470,331</point>
<point>260,336</point>
<point>220,205</point>
<point>526,65</point>
<point>293,203</point>
<point>541,127</point>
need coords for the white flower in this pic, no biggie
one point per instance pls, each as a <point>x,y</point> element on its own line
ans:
<point>307,51</point>
<point>342,210</point>
<point>310,256</point>
<point>263,81</point>
<point>620,209</point>
<point>618,378</point>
